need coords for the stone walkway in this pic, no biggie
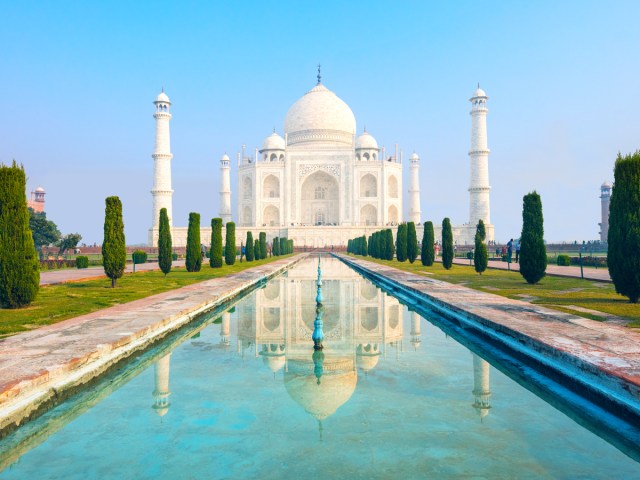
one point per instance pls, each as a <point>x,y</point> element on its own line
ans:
<point>39,366</point>
<point>606,354</point>
<point>53,277</point>
<point>598,274</point>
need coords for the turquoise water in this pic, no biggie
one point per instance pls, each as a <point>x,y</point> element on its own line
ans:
<point>241,395</point>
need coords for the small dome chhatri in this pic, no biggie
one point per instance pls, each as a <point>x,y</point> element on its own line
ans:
<point>366,140</point>
<point>479,93</point>
<point>162,97</point>
<point>273,142</point>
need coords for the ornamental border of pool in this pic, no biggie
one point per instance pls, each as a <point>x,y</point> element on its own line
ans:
<point>597,361</point>
<point>42,367</point>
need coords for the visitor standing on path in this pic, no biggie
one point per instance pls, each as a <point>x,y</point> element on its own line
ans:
<point>509,250</point>
<point>518,251</point>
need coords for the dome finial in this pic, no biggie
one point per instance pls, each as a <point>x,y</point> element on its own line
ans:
<point>365,128</point>
<point>319,76</point>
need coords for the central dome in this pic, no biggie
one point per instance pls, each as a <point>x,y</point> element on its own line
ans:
<point>320,116</point>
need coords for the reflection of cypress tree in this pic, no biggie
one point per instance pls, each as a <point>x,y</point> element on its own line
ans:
<point>480,256</point>
<point>165,248</point>
<point>249,247</point>
<point>194,254</point>
<point>427,255</point>
<point>215,257</point>
<point>624,227</point>
<point>412,242</point>
<point>19,265</point>
<point>447,244</point>
<point>533,253</point>
<point>114,250</point>
<point>230,244</point>
<point>401,242</point>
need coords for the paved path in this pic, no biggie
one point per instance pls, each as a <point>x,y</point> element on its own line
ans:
<point>39,366</point>
<point>53,277</point>
<point>599,274</point>
<point>597,353</point>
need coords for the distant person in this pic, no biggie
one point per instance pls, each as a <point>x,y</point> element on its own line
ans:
<point>518,251</point>
<point>509,250</point>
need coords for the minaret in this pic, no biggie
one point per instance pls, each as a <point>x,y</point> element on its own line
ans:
<point>162,192</point>
<point>605,198</point>
<point>225,189</point>
<point>414,189</point>
<point>481,389</point>
<point>161,391</point>
<point>479,154</point>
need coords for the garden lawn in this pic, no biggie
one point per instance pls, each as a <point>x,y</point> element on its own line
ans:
<point>59,302</point>
<point>557,293</point>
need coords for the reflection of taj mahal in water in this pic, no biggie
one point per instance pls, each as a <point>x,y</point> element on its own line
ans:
<point>362,324</point>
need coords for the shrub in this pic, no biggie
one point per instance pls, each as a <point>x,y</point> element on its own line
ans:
<point>165,257</point>
<point>139,256</point>
<point>114,251</point>
<point>480,255</point>
<point>174,256</point>
<point>215,260</point>
<point>564,260</point>
<point>82,261</point>
<point>533,253</point>
<point>230,244</point>
<point>194,253</point>
<point>427,254</point>
<point>19,263</point>
<point>248,249</point>
<point>624,227</point>
<point>447,244</point>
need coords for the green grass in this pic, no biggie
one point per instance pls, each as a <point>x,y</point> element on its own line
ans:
<point>557,293</point>
<point>59,302</point>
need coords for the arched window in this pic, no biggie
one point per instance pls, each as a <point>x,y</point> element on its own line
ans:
<point>320,193</point>
<point>393,187</point>
<point>319,218</point>
<point>246,216</point>
<point>247,187</point>
<point>365,157</point>
<point>368,186</point>
<point>273,157</point>
<point>271,187</point>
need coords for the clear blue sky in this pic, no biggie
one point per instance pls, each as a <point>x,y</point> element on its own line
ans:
<point>78,79</point>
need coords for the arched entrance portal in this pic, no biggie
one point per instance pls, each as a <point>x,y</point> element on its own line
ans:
<point>319,205</point>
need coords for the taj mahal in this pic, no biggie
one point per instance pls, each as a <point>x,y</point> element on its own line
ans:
<point>321,183</point>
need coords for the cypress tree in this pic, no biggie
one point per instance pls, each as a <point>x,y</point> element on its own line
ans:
<point>230,244</point>
<point>533,252</point>
<point>290,246</point>
<point>480,256</point>
<point>370,246</point>
<point>427,255</point>
<point>276,247</point>
<point>447,244</point>
<point>283,250</point>
<point>19,264</point>
<point>114,250</point>
<point>389,244</point>
<point>165,253</point>
<point>256,248</point>
<point>401,242</point>
<point>412,242</point>
<point>194,253</point>
<point>215,255</point>
<point>249,247</point>
<point>263,245</point>
<point>365,247</point>
<point>624,227</point>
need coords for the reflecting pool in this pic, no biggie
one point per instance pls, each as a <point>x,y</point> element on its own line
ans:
<point>241,394</point>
